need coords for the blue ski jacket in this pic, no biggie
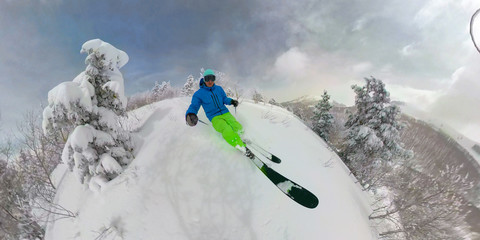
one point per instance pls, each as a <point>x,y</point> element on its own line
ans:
<point>212,99</point>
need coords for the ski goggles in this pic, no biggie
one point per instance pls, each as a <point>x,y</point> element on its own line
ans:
<point>209,78</point>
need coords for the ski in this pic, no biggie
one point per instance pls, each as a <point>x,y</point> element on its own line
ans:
<point>262,151</point>
<point>294,191</point>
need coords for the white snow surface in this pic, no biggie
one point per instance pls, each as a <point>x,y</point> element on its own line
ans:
<point>70,92</point>
<point>110,164</point>
<point>188,183</point>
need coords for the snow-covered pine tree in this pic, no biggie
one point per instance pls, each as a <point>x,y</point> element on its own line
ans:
<point>274,102</point>
<point>373,141</point>
<point>189,87</point>
<point>164,91</point>
<point>322,119</point>
<point>155,93</point>
<point>168,90</point>
<point>257,97</point>
<point>98,148</point>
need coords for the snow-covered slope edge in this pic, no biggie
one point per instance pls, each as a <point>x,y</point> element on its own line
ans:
<point>188,183</point>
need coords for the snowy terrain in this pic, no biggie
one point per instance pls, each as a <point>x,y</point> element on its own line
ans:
<point>188,183</point>
<point>464,141</point>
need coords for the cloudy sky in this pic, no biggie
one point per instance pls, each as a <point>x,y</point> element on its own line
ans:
<point>421,49</point>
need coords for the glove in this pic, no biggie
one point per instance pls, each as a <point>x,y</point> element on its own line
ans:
<point>234,102</point>
<point>191,119</point>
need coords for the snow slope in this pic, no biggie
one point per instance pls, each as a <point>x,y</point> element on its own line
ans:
<point>188,183</point>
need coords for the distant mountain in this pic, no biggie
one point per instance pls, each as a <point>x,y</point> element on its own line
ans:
<point>438,125</point>
<point>305,99</point>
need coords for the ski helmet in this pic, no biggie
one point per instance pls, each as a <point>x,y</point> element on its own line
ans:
<point>208,72</point>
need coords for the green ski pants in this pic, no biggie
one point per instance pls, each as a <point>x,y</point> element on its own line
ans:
<point>227,125</point>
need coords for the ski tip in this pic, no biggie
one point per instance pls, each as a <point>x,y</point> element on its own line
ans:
<point>275,159</point>
<point>312,204</point>
<point>304,198</point>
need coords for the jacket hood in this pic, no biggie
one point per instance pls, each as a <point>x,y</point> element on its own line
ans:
<point>203,85</point>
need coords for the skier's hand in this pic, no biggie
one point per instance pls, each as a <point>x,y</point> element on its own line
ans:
<point>234,102</point>
<point>191,119</point>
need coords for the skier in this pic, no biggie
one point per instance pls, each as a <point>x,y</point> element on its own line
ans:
<point>213,100</point>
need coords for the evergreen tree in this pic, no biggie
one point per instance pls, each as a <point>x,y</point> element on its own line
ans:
<point>163,91</point>
<point>274,102</point>
<point>91,105</point>
<point>373,134</point>
<point>155,95</point>
<point>322,119</point>
<point>257,97</point>
<point>189,87</point>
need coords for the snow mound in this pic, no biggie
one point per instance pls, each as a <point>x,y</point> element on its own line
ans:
<point>68,92</point>
<point>188,183</point>
<point>111,53</point>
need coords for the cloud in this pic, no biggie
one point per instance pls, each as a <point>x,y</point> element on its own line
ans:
<point>432,10</point>
<point>384,33</point>
<point>362,68</point>
<point>292,64</point>
<point>470,5</point>
<point>421,99</point>
<point>359,24</point>
<point>458,104</point>
<point>408,50</point>
<point>297,72</point>
<point>289,49</point>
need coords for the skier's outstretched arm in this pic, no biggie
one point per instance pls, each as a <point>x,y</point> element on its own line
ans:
<point>191,114</point>
<point>227,100</point>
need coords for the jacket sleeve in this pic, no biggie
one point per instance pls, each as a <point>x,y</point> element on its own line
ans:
<point>195,105</point>
<point>226,100</point>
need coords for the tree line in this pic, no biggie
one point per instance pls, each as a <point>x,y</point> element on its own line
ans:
<point>410,203</point>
